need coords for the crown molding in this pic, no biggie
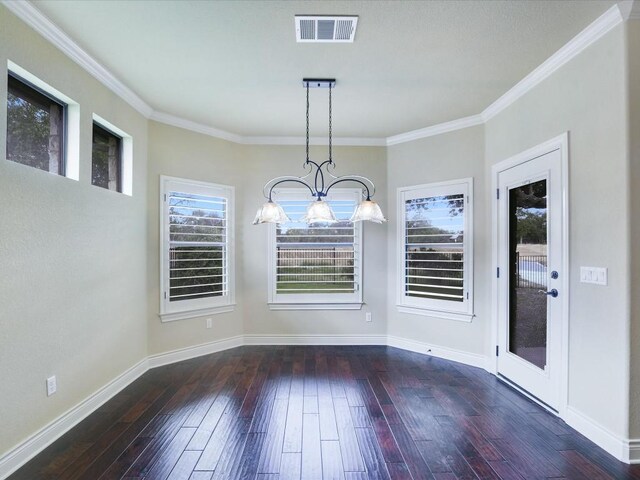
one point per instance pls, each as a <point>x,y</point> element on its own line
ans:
<point>618,13</point>
<point>50,31</point>
<point>435,130</point>
<point>336,141</point>
<point>573,47</point>
<point>629,9</point>
<point>180,122</point>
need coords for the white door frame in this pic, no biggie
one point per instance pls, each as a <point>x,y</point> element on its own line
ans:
<point>561,143</point>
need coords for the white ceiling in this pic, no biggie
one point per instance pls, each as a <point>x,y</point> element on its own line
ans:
<point>235,65</point>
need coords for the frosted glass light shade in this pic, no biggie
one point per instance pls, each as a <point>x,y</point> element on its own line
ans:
<point>319,211</point>
<point>271,212</point>
<point>368,210</point>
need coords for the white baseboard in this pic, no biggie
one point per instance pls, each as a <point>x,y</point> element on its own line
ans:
<point>315,340</point>
<point>605,439</point>
<point>632,447</point>
<point>625,450</point>
<point>25,451</point>
<point>472,359</point>
<point>181,354</point>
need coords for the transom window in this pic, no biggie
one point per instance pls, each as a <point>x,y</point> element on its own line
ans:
<point>35,127</point>
<point>106,159</point>
<point>435,254</point>
<point>197,230</point>
<point>316,265</point>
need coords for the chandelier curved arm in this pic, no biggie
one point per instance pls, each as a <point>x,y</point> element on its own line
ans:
<point>356,179</point>
<point>271,184</point>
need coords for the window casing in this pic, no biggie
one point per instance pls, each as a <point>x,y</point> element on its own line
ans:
<point>197,264</point>
<point>317,266</point>
<point>106,159</point>
<point>435,255</point>
<point>36,127</point>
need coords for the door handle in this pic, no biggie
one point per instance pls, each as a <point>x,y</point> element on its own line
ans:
<point>553,292</point>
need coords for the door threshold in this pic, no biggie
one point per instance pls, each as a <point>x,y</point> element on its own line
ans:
<point>527,394</point>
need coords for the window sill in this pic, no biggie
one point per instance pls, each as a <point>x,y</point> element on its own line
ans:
<point>315,306</point>
<point>459,316</point>
<point>170,317</point>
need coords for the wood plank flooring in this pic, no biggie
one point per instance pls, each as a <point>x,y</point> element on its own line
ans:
<point>321,412</point>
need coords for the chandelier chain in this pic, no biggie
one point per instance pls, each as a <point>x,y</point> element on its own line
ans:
<point>330,157</point>
<point>307,122</point>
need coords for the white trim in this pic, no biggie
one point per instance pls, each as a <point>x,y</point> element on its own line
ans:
<point>632,450</point>
<point>572,48</point>
<point>472,359</point>
<point>170,317</point>
<point>170,311</point>
<point>437,129</point>
<point>126,162</point>
<point>561,143</point>
<point>605,439</point>
<point>268,339</point>
<point>316,306</point>
<point>29,448</point>
<point>315,301</point>
<point>174,121</point>
<point>427,306</point>
<point>429,312</point>
<point>629,9</point>
<point>336,141</point>
<point>33,17</point>
<point>72,123</point>
<point>624,450</point>
<point>181,354</point>
<point>592,33</point>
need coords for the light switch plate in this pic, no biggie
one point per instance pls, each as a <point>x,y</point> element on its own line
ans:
<point>595,275</point>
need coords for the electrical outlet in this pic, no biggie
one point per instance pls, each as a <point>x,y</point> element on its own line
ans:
<point>52,386</point>
<point>367,317</point>
<point>209,323</point>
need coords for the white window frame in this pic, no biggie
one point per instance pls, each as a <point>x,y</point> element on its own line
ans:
<point>462,311</point>
<point>72,121</point>
<point>126,156</point>
<point>170,311</point>
<point>317,301</point>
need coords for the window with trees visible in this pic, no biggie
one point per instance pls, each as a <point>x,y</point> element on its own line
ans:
<point>35,127</point>
<point>435,255</point>
<point>106,159</point>
<point>318,265</point>
<point>197,244</point>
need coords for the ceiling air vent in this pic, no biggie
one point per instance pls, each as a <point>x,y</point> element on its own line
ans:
<point>326,28</point>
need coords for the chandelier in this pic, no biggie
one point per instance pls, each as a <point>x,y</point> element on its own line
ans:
<point>319,180</point>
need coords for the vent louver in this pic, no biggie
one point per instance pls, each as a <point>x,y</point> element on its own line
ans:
<point>325,29</point>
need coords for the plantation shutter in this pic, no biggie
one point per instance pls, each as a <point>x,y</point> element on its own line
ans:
<point>318,262</point>
<point>197,246</point>
<point>434,247</point>
<point>196,256</point>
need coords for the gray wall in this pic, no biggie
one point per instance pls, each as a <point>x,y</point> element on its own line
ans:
<point>451,156</point>
<point>64,242</point>
<point>181,153</point>
<point>73,261</point>
<point>633,56</point>
<point>259,164</point>
<point>587,98</point>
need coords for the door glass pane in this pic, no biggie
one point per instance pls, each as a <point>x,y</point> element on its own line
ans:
<point>528,272</point>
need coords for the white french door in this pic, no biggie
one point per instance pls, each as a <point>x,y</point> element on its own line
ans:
<point>531,333</point>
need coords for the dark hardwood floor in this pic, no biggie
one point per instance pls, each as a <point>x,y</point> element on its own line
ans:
<point>352,413</point>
